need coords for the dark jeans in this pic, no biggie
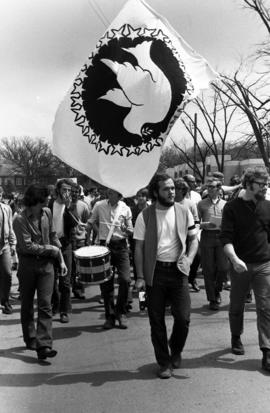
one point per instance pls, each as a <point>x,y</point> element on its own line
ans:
<point>168,284</point>
<point>61,294</point>
<point>258,278</point>
<point>119,260</point>
<point>36,275</point>
<point>215,264</point>
<point>5,275</point>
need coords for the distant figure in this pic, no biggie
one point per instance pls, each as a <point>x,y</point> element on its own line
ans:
<point>7,251</point>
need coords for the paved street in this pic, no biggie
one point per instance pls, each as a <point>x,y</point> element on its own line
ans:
<point>113,371</point>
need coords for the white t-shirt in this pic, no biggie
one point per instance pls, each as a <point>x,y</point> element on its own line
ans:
<point>168,248</point>
<point>58,218</point>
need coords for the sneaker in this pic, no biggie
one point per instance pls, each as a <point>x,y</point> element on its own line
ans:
<point>64,318</point>
<point>195,286</point>
<point>248,299</point>
<point>109,324</point>
<point>266,360</point>
<point>218,298</point>
<point>213,306</point>
<point>7,308</point>
<point>123,321</point>
<point>227,285</point>
<point>176,360</point>
<point>164,372</point>
<point>237,346</point>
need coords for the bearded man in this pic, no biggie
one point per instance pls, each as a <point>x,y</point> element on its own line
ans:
<point>245,234</point>
<point>166,244</point>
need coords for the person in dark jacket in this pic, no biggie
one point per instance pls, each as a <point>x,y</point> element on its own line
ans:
<point>245,234</point>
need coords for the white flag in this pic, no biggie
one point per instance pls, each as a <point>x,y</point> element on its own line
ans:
<point>114,120</point>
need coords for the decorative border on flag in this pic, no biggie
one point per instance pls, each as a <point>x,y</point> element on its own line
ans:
<point>77,101</point>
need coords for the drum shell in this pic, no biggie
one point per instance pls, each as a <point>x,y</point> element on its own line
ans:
<point>93,270</point>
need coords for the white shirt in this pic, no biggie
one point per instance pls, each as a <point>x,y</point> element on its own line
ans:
<point>168,248</point>
<point>58,218</point>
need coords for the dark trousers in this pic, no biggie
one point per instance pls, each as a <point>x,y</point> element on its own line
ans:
<point>36,275</point>
<point>5,275</point>
<point>215,264</point>
<point>119,260</point>
<point>61,293</point>
<point>256,277</point>
<point>168,284</point>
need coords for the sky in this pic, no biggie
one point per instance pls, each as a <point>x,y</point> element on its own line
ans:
<point>43,45</point>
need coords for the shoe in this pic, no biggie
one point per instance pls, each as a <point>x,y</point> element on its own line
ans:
<point>195,286</point>
<point>248,299</point>
<point>227,285</point>
<point>79,295</point>
<point>109,324</point>
<point>7,308</point>
<point>213,305</point>
<point>176,360</point>
<point>45,352</point>
<point>237,346</point>
<point>64,318</point>
<point>266,360</point>
<point>31,344</point>
<point>123,321</point>
<point>164,372</point>
<point>218,298</point>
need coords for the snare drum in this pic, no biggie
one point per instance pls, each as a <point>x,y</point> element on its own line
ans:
<point>93,264</point>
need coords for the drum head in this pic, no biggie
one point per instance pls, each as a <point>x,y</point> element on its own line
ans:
<point>92,251</point>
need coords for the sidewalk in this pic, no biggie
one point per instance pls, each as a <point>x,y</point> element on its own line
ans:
<point>113,371</point>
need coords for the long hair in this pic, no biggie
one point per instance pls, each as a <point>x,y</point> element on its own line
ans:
<point>154,183</point>
<point>35,194</point>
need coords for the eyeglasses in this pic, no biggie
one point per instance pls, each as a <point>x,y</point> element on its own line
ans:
<point>212,186</point>
<point>261,184</point>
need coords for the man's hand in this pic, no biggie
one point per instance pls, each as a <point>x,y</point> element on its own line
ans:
<point>63,269</point>
<point>139,284</point>
<point>239,265</point>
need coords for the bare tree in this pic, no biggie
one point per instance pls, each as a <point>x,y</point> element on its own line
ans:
<point>262,9</point>
<point>250,96</point>
<point>209,133</point>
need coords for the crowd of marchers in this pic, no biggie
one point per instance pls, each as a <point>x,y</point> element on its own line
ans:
<point>62,238</point>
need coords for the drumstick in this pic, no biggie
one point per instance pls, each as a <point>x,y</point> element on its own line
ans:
<point>108,223</point>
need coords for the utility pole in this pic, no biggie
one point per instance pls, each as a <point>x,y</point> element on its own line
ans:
<point>195,140</point>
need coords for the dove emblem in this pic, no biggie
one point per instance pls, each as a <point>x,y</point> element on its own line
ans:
<point>143,88</point>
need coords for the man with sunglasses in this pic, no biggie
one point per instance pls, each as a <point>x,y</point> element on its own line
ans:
<point>245,235</point>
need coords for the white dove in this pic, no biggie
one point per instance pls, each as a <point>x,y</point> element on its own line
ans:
<point>144,88</point>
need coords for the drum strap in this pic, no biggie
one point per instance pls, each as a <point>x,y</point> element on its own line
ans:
<point>115,219</point>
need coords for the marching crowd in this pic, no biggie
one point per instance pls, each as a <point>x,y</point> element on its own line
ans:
<point>165,234</point>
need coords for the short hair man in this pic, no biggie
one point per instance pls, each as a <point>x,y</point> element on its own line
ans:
<point>111,220</point>
<point>215,264</point>
<point>38,251</point>
<point>161,232</point>
<point>64,223</point>
<point>7,248</point>
<point>245,234</point>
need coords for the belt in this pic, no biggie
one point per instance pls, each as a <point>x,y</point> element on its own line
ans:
<point>166,264</point>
